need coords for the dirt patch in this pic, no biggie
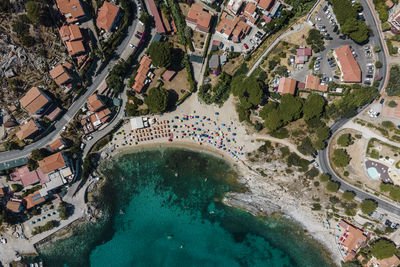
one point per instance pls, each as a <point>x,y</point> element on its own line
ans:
<point>233,64</point>
<point>184,8</point>
<point>298,38</point>
<point>179,83</point>
<point>199,39</point>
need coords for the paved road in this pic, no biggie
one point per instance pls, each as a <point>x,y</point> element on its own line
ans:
<point>77,105</point>
<point>323,157</point>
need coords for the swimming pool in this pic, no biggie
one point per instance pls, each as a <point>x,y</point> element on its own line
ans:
<point>373,173</point>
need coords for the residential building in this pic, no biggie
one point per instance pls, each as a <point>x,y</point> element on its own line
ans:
<point>302,55</point>
<point>198,18</point>
<point>35,101</point>
<point>28,130</point>
<point>275,9</point>
<point>213,63</point>
<point>394,21</point>
<point>232,28</point>
<point>95,121</point>
<point>250,13</point>
<point>71,9</point>
<point>157,18</point>
<point>28,177</point>
<point>351,72</point>
<point>389,4</point>
<point>351,239</point>
<point>108,16</point>
<point>53,114</point>
<point>34,199</point>
<point>142,77</point>
<point>265,4</point>
<point>57,144</point>
<point>60,74</point>
<point>234,6</point>
<point>94,103</point>
<point>14,206</point>
<point>393,261</point>
<point>58,169</point>
<point>287,86</point>
<point>72,36</point>
<point>314,83</point>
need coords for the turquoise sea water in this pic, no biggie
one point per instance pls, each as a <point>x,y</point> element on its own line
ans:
<point>162,208</point>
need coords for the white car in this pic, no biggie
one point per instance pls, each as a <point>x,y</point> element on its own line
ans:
<point>318,19</point>
<point>131,45</point>
<point>316,164</point>
<point>3,240</point>
<point>64,128</point>
<point>90,137</point>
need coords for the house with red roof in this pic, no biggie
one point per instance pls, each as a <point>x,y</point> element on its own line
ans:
<point>33,200</point>
<point>156,15</point>
<point>287,86</point>
<point>28,177</point>
<point>351,239</point>
<point>108,16</point>
<point>314,83</point>
<point>302,55</point>
<point>71,9</point>
<point>351,72</point>
<point>14,206</point>
<point>198,18</point>
<point>143,74</point>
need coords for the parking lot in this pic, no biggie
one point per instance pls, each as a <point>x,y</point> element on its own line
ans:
<point>326,22</point>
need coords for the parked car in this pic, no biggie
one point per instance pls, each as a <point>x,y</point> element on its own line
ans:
<point>319,58</point>
<point>245,46</point>
<point>232,48</point>
<point>382,101</point>
<point>318,19</point>
<point>90,137</point>
<point>370,76</point>
<point>252,41</point>
<point>82,146</point>
<point>64,128</point>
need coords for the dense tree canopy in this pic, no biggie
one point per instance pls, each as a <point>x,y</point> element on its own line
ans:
<point>344,140</point>
<point>290,108</point>
<point>368,206</point>
<point>340,158</point>
<point>248,89</point>
<point>33,11</point>
<point>356,30</point>
<point>156,100</point>
<point>332,186</point>
<point>160,53</point>
<point>313,107</point>
<point>315,39</point>
<point>348,195</point>
<point>323,132</point>
<point>393,88</point>
<point>382,249</point>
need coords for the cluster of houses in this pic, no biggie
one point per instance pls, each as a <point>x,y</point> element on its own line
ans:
<point>97,116</point>
<point>164,25</point>
<point>350,72</point>
<point>53,172</point>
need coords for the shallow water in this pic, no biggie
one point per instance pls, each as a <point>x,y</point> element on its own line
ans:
<point>163,209</point>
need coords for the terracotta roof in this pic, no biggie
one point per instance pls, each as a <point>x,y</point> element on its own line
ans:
<point>33,200</point>
<point>388,262</point>
<point>1,191</point>
<point>168,75</point>
<point>53,114</point>
<point>226,24</point>
<point>350,70</point>
<point>52,163</point>
<point>250,12</point>
<point>14,206</point>
<point>351,239</point>
<point>303,51</point>
<point>71,8</point>
<point>75,47</point>
<point>314,83</point>
<point>60,74</point>
<point>200,17</point>
<point>389,3</point>
<point>26,176</point>
<point>57,144</point>
<point>250,8</point>
<point>156,15</point>
<point>94,103</point>
<point>265,4</point>
<point>141,75</point>
<point>27,130</point>
<point>106,16</point>
<point>287,86</point>
<point>33,100</point>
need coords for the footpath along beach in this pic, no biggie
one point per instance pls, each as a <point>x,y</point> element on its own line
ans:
<point>217,131</point>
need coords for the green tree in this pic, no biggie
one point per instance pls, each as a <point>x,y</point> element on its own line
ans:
<point>160,53</point>
<point>352,263</point>
<point>306,147</point>
<point>290,108</point>
<point>332,186</point>
<point>315,39</point>
<point>392,104</point>
<point>273,121</point>
<point>356,29</point>
<point>33,11</point>
<point>341,158</point>
<point>378,64</point>
<point>20,27</point>
<point>325,177</point>
<point>313,107</point>
<point>344,140</point>
<point>63,210</point>
<point>282,71</point>
<point>368,206</point>
<point>348,195</point>
<point>248,89</point>
<point>39,154</point>
<point>382,249</point>
<point>156,100</point>
<point>323,133</point>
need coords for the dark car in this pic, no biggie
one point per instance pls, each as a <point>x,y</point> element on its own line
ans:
<point>370,76</point>
<point>325,8</point>
<point>335,28</point>
<point>382,100</point>
<point>343,37</point>
<point>388,223</point>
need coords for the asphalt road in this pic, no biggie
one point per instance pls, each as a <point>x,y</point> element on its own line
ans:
<point>323,157</point>
<point>77,105</point>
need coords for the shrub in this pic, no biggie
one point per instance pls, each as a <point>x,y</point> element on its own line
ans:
<point>378,64</point>
<point>332,186</point>
<point>340,158</point>
<point>348,195</point>
<point>387,124</point>
<point>392,104</point>
<point>324,177</point>
<point>382,249</point>
<point>368,206</point>
<point>344,140</point>
<point>316,206</point>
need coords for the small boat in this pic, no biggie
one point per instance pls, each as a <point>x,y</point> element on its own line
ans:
<point>170,236</point>
<point>122,178</point>
<point>121,212</point>
<point>181,246</point>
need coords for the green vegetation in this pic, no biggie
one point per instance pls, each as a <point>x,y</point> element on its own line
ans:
<point>393,88</point>
<point>294,160</point>
<point>378,64</point>
<point>217,94</point>
<point>180,23</point>
<point>316,40</point>
<point>388,124</point>
<point>160,53</point>
<point>344,140</point>
<point>39,154</point>
<point>63,210</point>
<point>313,106</point>
<point>392,104</point>
<point>346,15</point>
<point>249,91</point>
<point>382,249</point>
<point>48,226</point>
<point>382,10</point>
<point>33,11</point>
<point>325,177</point>
<point>132,108</point>
<point>156,100</point>
<point>332,186</point>
<point>368,206</point>
<point>348,195</point>
<point>341,158</point>
<point>394,191</point>
<point>21,28</point>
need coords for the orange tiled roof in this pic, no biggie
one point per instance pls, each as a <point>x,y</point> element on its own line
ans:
<point>226,24</point>
<point>14,206</point>
<point>250,12</point>
<point>351,239</point>
<point>314,83</point>
<point>33,200</point>
<point>55,145</point>
<point>33,100</point>
<point>200,17</point>
<point>27,130</point>
<point>94,103</point>
<point>287,86</point>
<point>265,4</point>
<point>141,75</point>
<point>393,261</point>
<point>75,47</point>
<point>350,70</point>
<point>60,74</point>
<point>71,8</point>
<point>107,15</point>
<point>52,163</point>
